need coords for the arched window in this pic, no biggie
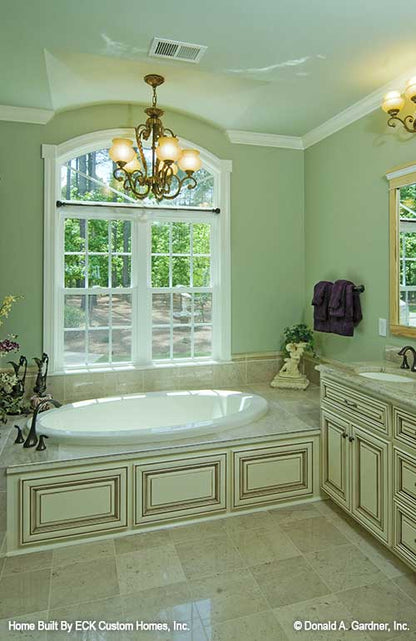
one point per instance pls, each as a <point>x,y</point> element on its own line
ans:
<point>132,282</point>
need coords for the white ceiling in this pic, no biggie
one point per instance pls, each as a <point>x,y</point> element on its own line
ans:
<point>279,67</point>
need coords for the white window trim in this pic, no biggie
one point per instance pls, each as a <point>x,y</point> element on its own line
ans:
<point>54,156</point>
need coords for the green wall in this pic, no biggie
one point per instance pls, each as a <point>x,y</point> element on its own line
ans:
<point>266,223</point>
<point>346,224</point>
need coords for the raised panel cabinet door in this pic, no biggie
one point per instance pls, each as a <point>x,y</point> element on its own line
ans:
<point>405,533</point>
<point>370,482</point>
<point>63,505</point>
<point>179,488</point>
<point>335,459</point>
<point>270,475</point>
<point>405,477</point>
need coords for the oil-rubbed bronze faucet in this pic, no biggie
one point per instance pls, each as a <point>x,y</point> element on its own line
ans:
<point>32,437</point>
<point>405,364</point>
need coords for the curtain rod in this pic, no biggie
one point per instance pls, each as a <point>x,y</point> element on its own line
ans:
<point>65,203</point>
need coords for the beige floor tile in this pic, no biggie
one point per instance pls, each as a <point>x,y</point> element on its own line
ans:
<point>195,531</point>
<point>28,635</point>
<point>27,562</point>
<point>81,582</point>
<point>407,583</point>
<point>149,568</point>
<point>322,610</point>
<point>208,557</point>
<point>83,552</point>
<point>310,535</point>
<point>256,627</point>
<point>196,632</point>
<point>253,521</point>
<point>381,602</point>
<point>295,512</point>
<point>23,593</point>
<point>343,567</point>
<point>329,508</point>
<point>288,581</point>
<point>103,609</point>
<point>260,546</point>
<point>227,596</point>
<point>385,560</point>
<point>167,603</point>
<point>141,541</point>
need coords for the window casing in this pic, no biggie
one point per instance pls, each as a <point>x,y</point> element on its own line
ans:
<point>114,305</point>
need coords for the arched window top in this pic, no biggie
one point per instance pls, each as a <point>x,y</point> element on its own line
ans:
<point>86,174</point>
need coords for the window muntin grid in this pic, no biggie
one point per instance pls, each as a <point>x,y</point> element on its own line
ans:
<point>182,292</point>
<point>97,274</point>
<point>407,258</point>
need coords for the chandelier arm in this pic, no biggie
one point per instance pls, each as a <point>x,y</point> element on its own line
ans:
<point>180,182</point>
<point>408,120</point>
<point>166,130</point>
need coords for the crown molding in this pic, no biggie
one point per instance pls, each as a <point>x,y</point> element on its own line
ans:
<point>264,140</point>
<point>29,115</point>
<point>354,112</point>
<point>344,118</point>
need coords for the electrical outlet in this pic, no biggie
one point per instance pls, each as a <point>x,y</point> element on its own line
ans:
<point>382,326</point>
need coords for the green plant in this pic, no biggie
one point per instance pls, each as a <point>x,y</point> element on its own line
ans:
<point>74,317</point>
<point>299,333</point>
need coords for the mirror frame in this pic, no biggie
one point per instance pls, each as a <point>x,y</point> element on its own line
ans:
<point>398,177</point>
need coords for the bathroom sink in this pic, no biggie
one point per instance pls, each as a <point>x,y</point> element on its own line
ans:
<point>387,377</point>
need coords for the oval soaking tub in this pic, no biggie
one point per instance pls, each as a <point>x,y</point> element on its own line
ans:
<point>152,416</point>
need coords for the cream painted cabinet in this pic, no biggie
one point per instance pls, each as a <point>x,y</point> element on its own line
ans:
<point>273,474</point>
<point>177,488</point>
<point>355,472</point>
<point>62,505</point>
<point>335,461</point>
<point>370,481</point>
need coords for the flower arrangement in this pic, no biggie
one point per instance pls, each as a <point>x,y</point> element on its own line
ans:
<point>9,343</point>
<point>11,387</point>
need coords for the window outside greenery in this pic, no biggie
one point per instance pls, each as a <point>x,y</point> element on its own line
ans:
<point>101,273</point>
<point>407,212</point>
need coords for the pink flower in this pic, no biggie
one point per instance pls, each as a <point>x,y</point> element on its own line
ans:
<point>8,345</point>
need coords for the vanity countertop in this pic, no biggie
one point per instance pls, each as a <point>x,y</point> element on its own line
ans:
<point>396,393</point>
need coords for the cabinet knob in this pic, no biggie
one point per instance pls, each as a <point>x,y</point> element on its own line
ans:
<point>344,435</point>
<point>351,438</point>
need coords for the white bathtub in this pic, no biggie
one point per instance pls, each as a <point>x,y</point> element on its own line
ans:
<point>154,416</point>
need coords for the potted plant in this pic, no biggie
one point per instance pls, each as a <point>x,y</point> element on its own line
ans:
<point>299,333</point>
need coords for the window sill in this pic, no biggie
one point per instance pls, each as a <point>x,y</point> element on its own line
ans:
<point>137,368</point>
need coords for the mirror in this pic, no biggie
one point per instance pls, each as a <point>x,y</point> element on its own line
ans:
<point>403,251</point>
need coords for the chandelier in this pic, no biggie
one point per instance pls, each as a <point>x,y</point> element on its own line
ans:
<point>170,168</point>
<point>393,103</point>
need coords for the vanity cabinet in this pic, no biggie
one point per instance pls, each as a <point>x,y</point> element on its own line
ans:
<point>355,471</point>
<point>368,463</point>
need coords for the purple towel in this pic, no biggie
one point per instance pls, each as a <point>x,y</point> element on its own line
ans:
<point>321,296</point>
<point>344,308</point>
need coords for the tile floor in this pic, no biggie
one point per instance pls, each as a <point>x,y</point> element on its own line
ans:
<point>246,578</point>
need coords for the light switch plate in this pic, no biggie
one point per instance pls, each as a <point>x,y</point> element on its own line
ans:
<point>382,326</point>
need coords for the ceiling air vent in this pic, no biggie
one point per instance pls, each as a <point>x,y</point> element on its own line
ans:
<point>185,51</point>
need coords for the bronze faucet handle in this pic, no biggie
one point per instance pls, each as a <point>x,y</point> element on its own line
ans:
<point>19,437</point>
<point>41,445</point>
